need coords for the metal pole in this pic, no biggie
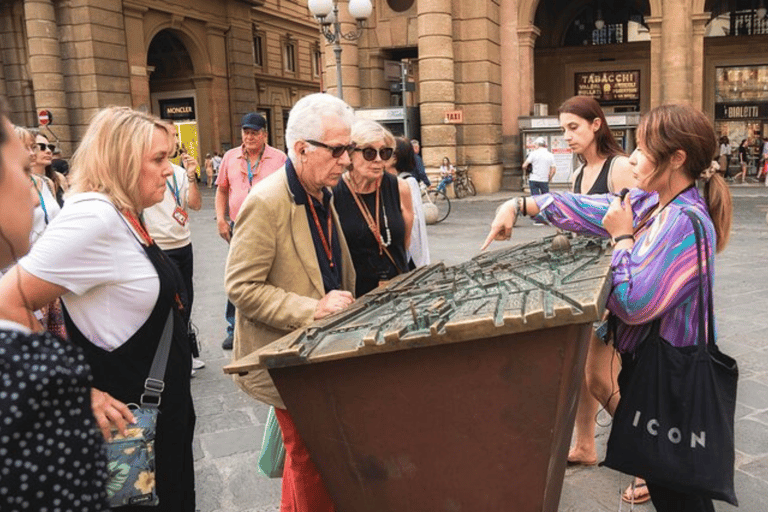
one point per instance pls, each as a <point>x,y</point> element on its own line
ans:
<point>337,49</point>
<point>403,77</point>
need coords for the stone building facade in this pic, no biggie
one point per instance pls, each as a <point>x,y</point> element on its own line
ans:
<point>205,62</point>
<point>501,61</point>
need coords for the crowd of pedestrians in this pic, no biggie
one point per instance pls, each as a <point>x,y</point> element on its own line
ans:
<point>96,262</point>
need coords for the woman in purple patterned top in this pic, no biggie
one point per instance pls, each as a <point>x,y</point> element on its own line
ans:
<point>654,257</point>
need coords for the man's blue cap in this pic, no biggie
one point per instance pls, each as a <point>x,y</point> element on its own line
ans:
<point>253,121</point>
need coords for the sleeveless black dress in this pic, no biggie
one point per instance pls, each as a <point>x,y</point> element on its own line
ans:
<point>122,373</point>
<point>370,266</point>
<point>601,185</point>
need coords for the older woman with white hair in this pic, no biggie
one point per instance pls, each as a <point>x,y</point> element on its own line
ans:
<point>375,209</point>
<point>117,287</point>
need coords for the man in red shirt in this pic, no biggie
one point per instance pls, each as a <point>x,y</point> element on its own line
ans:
<point>240,169</point>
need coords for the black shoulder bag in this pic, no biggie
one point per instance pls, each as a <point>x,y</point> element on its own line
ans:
<point>674,422</point>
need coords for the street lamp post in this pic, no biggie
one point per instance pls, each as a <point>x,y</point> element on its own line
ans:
<point>327,14</point>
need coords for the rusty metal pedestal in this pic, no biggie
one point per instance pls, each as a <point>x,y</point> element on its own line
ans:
<point>454,388</point>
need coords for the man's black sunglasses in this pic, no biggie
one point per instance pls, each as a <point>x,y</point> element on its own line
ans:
<point>370,153</point>
<point>44,146</point>
<point>336,151</point>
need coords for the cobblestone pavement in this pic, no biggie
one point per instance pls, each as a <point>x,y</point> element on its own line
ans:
<point>230,425</point>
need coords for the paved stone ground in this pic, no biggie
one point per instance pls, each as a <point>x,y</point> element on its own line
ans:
<point>230,425</point>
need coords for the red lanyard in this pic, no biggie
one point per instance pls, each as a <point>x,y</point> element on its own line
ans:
<point>138,226</point>
<point>326,242</point>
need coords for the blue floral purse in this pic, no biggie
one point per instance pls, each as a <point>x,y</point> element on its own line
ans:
<point>131,458</point>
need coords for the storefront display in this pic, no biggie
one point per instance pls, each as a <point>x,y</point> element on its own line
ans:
<point>741,105</point>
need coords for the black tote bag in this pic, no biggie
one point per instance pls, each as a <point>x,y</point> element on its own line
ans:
<point>674,422</point>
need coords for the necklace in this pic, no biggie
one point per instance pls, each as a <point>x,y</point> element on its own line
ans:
<point>373,225</point>
<point>326,242</point>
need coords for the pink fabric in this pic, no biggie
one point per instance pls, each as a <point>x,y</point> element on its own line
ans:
<point>303,489</point>
<point>233,174</point>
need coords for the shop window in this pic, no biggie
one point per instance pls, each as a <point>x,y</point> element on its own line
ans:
<point>741,83</point>
<point>289,56</point>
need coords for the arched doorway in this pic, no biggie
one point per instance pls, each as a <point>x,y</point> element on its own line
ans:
<point>589,47</point>
<point>172,88</point>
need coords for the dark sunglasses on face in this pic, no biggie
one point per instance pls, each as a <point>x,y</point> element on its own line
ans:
<point>44,146</point>
<point>336,151</point>
<point>370,153</point>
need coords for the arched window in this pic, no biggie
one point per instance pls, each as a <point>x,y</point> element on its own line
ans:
<point>737,18</point>
<point>598,26</point>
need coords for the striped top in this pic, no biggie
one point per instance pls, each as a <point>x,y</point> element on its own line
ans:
<point>658,277</point>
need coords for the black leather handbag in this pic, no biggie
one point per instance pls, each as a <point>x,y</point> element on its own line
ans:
<point>674,422</point>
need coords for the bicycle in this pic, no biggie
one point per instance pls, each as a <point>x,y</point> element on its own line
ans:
<point>462,183</point>
<point>433,198</point>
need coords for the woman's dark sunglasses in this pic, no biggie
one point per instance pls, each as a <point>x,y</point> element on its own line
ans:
<point>370,153</point>
<point>44,146</point>
<point>336,151</point>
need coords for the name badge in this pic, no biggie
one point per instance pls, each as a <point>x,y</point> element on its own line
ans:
<point>180,215</point>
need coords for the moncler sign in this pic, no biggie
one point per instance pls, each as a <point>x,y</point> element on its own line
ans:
<point>674,434</point>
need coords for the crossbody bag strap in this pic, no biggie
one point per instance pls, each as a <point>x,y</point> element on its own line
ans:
<point>154,385</point>
<point>698,229</point>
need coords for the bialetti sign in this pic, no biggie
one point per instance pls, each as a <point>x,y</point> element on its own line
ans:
<point>178,109</point>
<point>728,111</point>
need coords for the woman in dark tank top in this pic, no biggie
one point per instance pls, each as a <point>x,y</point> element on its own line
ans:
<point>605,169</point>
<point>375,209</point>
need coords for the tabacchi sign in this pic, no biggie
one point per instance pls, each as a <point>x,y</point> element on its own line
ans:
<point>609,87</point>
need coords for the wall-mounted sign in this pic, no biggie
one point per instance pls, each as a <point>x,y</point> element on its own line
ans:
<point>178,109</point>
<point>454,117</point>
<point>609,87</point>
<point>735,111</point>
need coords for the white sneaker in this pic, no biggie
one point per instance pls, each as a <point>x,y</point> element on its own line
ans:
<point>197,363</point>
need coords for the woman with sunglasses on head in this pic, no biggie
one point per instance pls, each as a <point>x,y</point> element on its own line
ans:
<point>655,263</point>
<point>374,208</point>
<point>50,448</point>
<point>118,289</point>
<point>41,165</point>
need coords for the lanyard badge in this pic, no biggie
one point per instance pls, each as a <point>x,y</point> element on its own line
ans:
<point>180,215</point>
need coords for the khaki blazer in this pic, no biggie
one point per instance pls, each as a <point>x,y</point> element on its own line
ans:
<point>272,275</point>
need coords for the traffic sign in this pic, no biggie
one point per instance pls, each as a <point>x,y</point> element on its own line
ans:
<point>45,117</point>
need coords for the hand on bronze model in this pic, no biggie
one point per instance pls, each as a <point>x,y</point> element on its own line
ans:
<point>333,302</point>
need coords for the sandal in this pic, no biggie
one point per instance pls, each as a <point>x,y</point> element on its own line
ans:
<point>636,493</point>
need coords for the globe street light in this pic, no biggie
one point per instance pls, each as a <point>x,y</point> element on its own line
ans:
<point>327,14</point>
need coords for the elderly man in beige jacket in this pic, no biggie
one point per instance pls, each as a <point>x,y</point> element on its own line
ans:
<point>289,265</point>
